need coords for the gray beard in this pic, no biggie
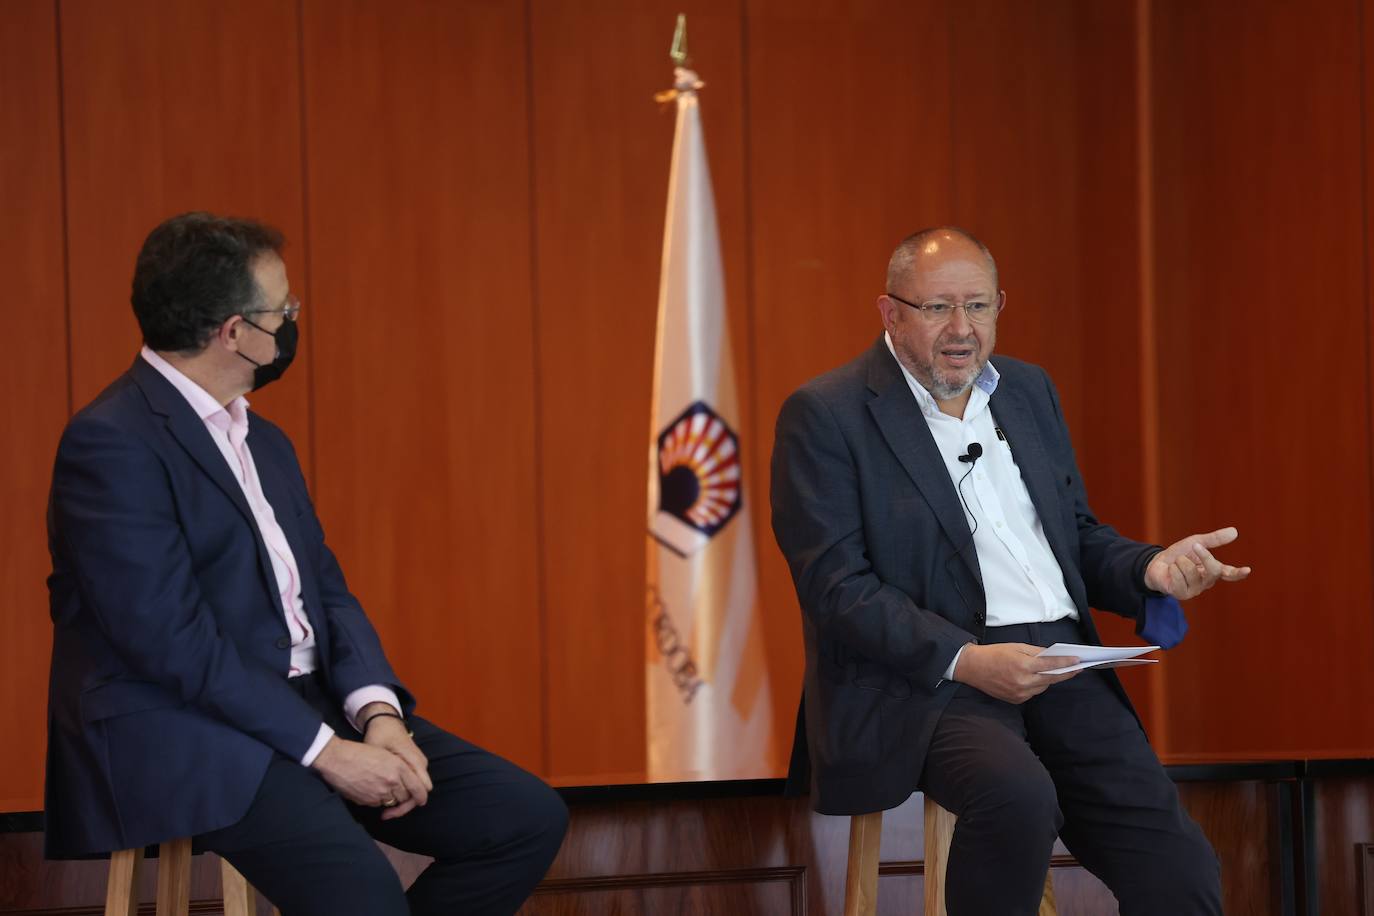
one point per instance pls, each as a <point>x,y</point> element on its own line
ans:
<point>947,389</point>
<point>940,389</point>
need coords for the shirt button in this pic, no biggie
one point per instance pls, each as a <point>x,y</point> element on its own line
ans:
<point>999,524</point>
<point>284,642</point>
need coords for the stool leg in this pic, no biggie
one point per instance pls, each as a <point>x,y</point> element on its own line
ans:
<point>939,834</point>
<point>239,898</point>
<point>1047,905</point>
<point>174,878</point>
<point>121,888</point>
<point>861,877</point>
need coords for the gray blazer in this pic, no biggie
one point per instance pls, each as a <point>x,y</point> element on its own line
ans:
<point>888,581</point>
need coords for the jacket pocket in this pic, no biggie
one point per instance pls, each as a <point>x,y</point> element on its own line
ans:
<point>873,676</point>
<point>118,697</point>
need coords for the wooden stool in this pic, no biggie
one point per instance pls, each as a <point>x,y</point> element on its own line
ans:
<point>173,883</point>
<point>861,879</point>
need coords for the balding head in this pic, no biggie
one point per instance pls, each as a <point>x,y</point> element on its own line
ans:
<point>916,247</point>
<point>940,311</point>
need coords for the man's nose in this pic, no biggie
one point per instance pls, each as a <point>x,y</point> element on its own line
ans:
<point>959,323</point>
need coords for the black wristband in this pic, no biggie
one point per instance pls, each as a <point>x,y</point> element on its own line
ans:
<point>382,715</point>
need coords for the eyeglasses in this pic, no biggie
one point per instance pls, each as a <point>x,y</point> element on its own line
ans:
<point>938,312</point>
<point>290,311</point>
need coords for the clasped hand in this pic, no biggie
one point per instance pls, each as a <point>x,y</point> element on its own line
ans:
<point>386,769</point>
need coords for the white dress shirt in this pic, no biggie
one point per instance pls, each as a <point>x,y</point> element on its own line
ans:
<point>228,428</point>
<point>1021,578</point>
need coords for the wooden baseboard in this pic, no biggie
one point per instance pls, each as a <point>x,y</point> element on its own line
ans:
<point>197,908</point>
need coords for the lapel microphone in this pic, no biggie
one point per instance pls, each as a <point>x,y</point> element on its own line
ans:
<point>970,457</point>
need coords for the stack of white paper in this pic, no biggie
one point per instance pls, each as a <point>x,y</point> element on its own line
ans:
<point>1098,656</point>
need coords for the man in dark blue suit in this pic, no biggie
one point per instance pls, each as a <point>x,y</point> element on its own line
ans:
<point>928,502</point>
<point>212,676</point>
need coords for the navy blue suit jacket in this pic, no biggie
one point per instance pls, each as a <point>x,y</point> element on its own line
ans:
<point>168,692</point>
<point>882,558</point>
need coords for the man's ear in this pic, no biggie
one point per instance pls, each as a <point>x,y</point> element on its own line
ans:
<point>230,331</point>
<point>887,307</point>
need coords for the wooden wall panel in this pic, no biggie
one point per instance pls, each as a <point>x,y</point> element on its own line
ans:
<point>1240,820</point>
<point>1109,432</point>
<point>1364,864</point>
<point>33,376</point>
<point>1014,134</point>
<point>600,184</point>
<point>849,110</point>
<point>171,107</point>
<point>1043,136</point>
<point>1263,370</point>
<point>419,222</point>
<point>1344,830</point>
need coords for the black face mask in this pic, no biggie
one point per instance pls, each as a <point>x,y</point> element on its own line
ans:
<point>286,336</point>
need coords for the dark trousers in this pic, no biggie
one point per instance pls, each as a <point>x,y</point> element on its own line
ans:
<point>1074,762</point>
<point>492,828</point>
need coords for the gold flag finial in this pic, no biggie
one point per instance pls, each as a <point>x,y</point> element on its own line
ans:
<point>679,50</point>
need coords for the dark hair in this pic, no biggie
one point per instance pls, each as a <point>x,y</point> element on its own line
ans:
<point>193,273</point>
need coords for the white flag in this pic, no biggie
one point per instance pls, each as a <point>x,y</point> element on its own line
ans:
<point>708,703</point>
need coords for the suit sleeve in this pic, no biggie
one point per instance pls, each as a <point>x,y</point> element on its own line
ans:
<point>818,523</point>
<point>116,527</point>
<point>1112,566</point>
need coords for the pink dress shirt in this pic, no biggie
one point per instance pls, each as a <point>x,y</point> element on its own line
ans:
<point>228,427</point>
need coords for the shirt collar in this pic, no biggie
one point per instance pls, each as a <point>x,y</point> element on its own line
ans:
<point>200,400</point>
<point>985,384</point>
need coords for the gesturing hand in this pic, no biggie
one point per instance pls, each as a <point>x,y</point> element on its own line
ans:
<point>1186,568</point>
<point>1010,671</point>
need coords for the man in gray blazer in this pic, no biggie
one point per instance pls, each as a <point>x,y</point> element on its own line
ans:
<point>928,502</point>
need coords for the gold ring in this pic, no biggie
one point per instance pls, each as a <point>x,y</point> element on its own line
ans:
<point>388,803</point>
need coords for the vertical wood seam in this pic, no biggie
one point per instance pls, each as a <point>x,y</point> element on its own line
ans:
<point>955,217</point>
<point>757,433</point>
<point>66,216</point>
<point>1149,369</point>
<point>537,408</point>
<point>750,291</point>
<point>1362,95</point>
<point>307,253</point>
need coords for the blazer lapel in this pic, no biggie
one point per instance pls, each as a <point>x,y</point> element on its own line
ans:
<point>189,431</point>
<point>1011,412</point>
<point>903,426</point>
